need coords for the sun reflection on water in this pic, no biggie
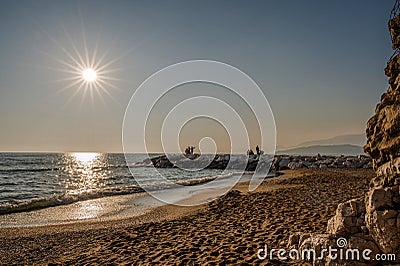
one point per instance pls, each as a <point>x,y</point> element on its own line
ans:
<point>85,171</point>
<point>85,158</point>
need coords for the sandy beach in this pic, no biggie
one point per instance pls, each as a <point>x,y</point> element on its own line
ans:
<point>200,133</point>
<point>229,230</point>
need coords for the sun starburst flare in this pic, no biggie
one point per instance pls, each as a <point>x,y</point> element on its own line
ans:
<point>85,70</point>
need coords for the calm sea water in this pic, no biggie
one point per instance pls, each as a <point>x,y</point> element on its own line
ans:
<point>36,180</point>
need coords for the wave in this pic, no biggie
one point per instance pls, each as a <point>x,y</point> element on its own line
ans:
<point>65,199</point>
<point>15,206</point>
<point>29,170</point>
<point>97,168</point>
<point>206,179</point>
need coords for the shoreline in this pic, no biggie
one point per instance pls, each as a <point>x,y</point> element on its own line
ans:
<point>159,212</point>
<point>109,208</point>
<point>38,204</point>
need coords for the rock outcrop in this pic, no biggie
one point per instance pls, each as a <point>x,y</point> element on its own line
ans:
<point>372,222</point>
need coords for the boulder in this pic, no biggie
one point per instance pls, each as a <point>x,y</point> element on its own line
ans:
<point>295,165</point>
<point>349,218</point>
<point>381,217</point>
<point>284,163</point>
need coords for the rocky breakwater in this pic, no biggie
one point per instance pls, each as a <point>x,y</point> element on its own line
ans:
<point>279,162</point>
<point>219,161</point>
<point>284,162</point>
<point>371,222</point>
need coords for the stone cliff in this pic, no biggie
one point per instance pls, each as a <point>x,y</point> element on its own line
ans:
<point>372,222</point>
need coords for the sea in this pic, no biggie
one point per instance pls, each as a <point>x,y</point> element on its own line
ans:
<point>30,181</point>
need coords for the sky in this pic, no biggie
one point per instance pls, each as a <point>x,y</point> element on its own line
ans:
<point>320,65</point>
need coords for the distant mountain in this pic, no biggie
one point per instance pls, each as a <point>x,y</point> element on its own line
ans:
<point>356,139</point>
<point>333,150</point>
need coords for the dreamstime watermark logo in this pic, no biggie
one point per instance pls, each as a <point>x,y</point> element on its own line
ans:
<point>152,115</point>
<point>341,252</point>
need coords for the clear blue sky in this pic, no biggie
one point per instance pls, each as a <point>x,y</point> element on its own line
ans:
<point>320,63</point>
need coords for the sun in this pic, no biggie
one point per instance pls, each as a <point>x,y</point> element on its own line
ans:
<point>84,69</point>
<point>89,75</point>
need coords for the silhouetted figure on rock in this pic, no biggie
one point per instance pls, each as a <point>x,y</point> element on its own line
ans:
<point>189,150</point>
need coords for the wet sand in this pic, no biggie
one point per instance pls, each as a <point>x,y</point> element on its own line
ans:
<point>229,230</point>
